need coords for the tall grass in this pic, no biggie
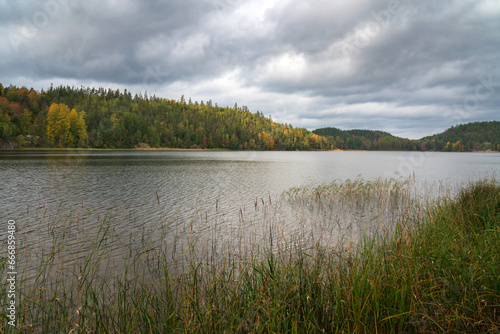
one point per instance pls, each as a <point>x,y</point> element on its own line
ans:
<point>427,268</point>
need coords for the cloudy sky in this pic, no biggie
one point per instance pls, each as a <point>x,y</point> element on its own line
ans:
<point>409,67</point>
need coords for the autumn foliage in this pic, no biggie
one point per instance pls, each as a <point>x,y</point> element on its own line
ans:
<point>65,127</point>
<point>115,119</point>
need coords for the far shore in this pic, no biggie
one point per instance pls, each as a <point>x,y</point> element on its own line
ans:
<point>207,149</point>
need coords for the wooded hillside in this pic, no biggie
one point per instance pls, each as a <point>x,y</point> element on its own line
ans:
<point>100,118</point>
<point>366,140</point>
<point>477,136</point>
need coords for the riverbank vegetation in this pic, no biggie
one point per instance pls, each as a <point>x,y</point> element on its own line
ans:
<point>429,266</point>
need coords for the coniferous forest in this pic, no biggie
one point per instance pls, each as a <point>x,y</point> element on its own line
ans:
<point>67,117</point>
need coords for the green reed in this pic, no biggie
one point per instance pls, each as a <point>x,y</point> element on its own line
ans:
<point>432,267</point>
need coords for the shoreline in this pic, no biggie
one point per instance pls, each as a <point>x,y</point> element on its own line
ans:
<point>209,149</point>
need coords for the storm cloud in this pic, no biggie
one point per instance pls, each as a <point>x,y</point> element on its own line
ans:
<point>412,68</point>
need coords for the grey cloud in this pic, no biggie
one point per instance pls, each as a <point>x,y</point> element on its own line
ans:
<point>105,50</point>
<point>426,56</point>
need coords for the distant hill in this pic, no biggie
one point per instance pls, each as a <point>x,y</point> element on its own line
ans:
<point>477,136</point>
<point>365,140</point>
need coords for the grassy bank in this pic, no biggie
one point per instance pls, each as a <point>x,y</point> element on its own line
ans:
<point>435,269</point>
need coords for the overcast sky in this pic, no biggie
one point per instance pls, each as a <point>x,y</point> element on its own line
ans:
<point>409,67</point>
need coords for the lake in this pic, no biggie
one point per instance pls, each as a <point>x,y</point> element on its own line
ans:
<point>195,180</point>
<point>146,189</point>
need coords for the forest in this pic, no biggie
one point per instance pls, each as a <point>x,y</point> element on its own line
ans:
<point>471,137</point>
<point>477,136</point>
<point>366,140</point>
<point>70,117</point>
<point>99,118</point>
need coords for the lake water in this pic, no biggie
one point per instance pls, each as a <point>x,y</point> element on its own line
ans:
<point>195,180</point>
<point>143,188</point>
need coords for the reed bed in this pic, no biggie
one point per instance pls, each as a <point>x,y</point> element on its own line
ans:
<point>414,266</point>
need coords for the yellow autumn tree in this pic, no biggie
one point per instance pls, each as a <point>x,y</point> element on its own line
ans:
<point>456,147</point>
<point>58,124</point>
<point>268,140</point>
<point>65,127</point>
<point>77,128</point>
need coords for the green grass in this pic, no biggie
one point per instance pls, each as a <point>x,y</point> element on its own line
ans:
<point>429,268</point>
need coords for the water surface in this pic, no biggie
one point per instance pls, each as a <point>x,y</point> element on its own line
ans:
<point>224,202</point>
<point>196,180</point>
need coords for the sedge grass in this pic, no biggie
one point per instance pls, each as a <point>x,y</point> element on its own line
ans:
<point>427,269</point>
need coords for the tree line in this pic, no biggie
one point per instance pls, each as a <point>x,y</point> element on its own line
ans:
<point>103,118</point>
<point>67,116</point>
<point>477,136</point>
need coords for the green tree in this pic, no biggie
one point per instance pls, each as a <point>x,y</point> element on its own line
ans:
<point>77,128</point>
<point>7,129</point>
